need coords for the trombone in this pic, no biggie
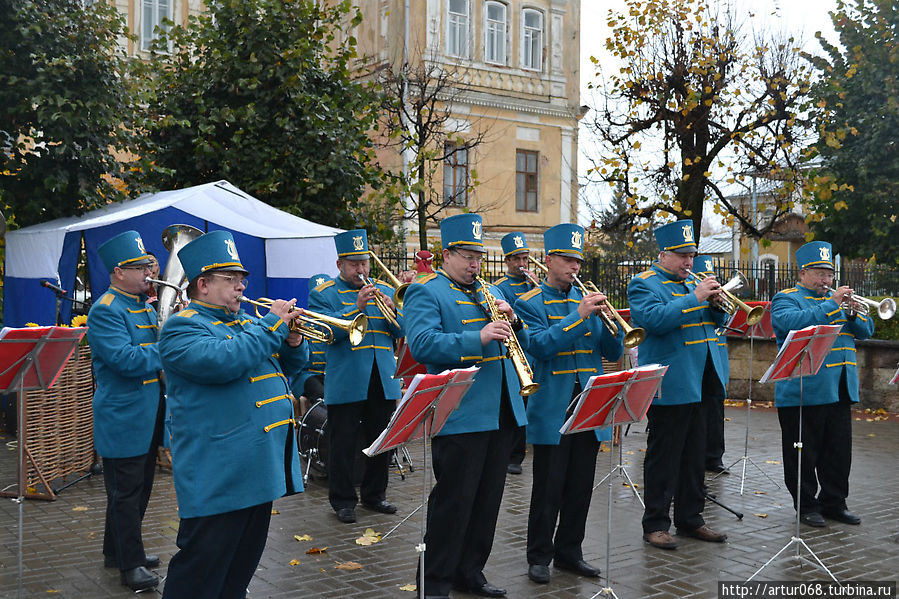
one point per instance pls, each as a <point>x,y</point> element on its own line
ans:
<point>632,336</point>
<point>379,301</point>
<point>317,327</point>
<point>400,288</point>
<point>730,303</point>
<point>856,304</point>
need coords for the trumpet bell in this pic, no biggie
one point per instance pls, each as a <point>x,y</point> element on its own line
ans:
<point>399,295</point>
<point>754,315</point>
<point>886,309</point>
<point>634,337</point>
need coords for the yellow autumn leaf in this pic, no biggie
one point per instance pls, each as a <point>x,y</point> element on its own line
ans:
<point>275,512</point>
<point>293,562</point>
<point>302,538</point>
<point>348,566</point>
<point>637,145</point>
<point>316,550</point>
<point>772,462</point>
<point>52,590</point>
<point>761,515</point>
<point>409,587</point>
<point>369,537</point>
<point>79,508</point>
<point>761,492</point>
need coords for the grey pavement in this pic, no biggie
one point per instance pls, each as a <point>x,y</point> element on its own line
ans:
<point>62,539</point>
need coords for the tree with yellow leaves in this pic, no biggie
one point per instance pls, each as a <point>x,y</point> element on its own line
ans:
<point>699,104</point>
<point>856,192</point>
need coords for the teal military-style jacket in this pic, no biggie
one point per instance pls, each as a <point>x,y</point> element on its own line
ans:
<point>347,366</point>
<point>122,336</point>
<point>566,348</point>
<point>800,307</point>
<point>512,287</point>
<point>443,329</point>
<point>680,333</point>
<point>233,441</point>
<point>315,366</point>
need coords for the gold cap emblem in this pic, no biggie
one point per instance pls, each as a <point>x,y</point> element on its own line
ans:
<point>140,245</point>
<point>518,241</point>
<point>231,249</point>
<point>688,233</point>
<point>476,229</point>
<point>708,265</point>
<point>358,244</point>
<point>825,253</point>
<point>576,239</point>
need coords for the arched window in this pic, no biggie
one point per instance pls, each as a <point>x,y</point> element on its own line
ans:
<point>495,33</point>
<point>457,28</point>
<point>532,39</point>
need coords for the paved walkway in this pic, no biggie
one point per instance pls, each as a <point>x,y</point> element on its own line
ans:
<point>62,539</point>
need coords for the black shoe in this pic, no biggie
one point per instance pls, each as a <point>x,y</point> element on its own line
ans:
<point>484,590</point>
<point>538,573</point>
<point>383,506</point>
<point>580,567</point>
<point>347,515</point>
<point>150,561</point>
<point>842,515</point>
<point>139,579</point>
<point>513,468</point>
<point>719,467</point>
<point>812,519</point>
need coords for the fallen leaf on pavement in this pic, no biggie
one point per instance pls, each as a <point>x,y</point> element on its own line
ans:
<point>294,562</point>
<point>302,538</point>
<point>275,512</point>
<point>79,508</point>
<point>316,550</point>
<point>761,515</point>
<point>772,462</point>
<point>348,566</point>
<point>369,537</point>
<point>409,587</point>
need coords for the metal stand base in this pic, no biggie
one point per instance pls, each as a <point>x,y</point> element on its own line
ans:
<point>797,540</point>
<point>622,471</point>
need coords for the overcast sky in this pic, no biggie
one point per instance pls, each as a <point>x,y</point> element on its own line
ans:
<point>801,18</point>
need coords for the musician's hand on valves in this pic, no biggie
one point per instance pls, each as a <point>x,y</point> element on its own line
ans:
<point>707,288</point>
<point>294,339</point>
<point>840,294</point>
<point>589,304</point>
<point>283,309</point>
<point>386,299</point>
<point>365,295</point>
<point>495,331</point>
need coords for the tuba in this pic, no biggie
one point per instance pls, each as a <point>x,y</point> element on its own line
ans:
<point>513,348</point>
<point>173,278</point>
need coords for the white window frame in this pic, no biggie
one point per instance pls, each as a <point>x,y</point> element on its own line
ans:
<point>527,34</point>
<point>147,36</point>
<point>499,30</point>
<point>459,24</point>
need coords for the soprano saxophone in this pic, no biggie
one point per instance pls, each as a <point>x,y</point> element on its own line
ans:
<point>513,348</point>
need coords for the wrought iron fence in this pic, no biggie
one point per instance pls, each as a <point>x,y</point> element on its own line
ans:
<point>613,273</point>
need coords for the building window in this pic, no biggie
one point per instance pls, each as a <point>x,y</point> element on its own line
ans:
<point>152,15</point>
<point>457,29</point>
<point>526,180</point>
<point>532,39</point>
<point>455,175</point>
<point>495,33</point>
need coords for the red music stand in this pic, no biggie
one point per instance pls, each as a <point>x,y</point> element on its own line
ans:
<point>895,379</point>
<point>609,400</point>
<point>406,366</point>
<point>31,359</point>
<point>763,329</point>
<point>802,354</point>
<point>428,402</point>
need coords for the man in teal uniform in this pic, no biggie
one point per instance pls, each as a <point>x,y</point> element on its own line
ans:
<point>680,333</point>
<point>233,443</point>
<point>826,396</point>
<point>128,409</point>
<point>568,343</point>
<point>310,383</point>
<point>513,285</point>
<point>360,390</point>
<point>448,327</point>
<point>713,404</point>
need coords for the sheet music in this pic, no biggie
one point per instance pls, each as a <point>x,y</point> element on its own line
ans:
<point>604,392</point>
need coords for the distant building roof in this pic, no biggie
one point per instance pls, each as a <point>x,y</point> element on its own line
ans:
<point>722,243</point>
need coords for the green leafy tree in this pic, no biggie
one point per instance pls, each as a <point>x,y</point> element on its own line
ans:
<point>64,107</point>
<point>621,233</point>
<point>856,192</point>
<point>259,92</point>
<point>697,102</point>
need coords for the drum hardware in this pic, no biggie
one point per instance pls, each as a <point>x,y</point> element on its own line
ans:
<point>855,304</point>
<point>730,303</point>
<point>318,327</point>
<point>400,288</point>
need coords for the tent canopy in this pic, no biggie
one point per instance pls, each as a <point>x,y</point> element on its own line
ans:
<point>280,250</point>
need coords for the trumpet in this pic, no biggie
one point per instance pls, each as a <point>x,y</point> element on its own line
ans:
<point>379,302</point>
<point>530,277</point>
<point>513,348</point>
<point>633,336</point>
<point>317,326</point>
<point>730,303</point>
<point>400,288</point>
<point>855,304</point>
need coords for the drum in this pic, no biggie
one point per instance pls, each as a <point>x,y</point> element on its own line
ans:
<point>312,439</point>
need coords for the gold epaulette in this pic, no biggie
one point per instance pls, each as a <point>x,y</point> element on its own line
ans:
<point>325,285</point>
<point>186,313</point>
<point>107,299</point>
<point>501,280</point>
<point>533,292</point>
<point>646,274</point>
<point>428,278</point>
<point>790,290</point>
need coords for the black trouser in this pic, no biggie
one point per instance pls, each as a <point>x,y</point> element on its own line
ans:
<point>470,470</point>
<point>344,423</point>
<point>561,492</point>
<point>826,452</point>
<point>218,554</point>
<point>519,442</point>
<point>713,404</point>
<point>674,467</point>
<point>129,482</point>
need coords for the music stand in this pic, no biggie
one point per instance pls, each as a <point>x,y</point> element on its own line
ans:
<point>802,354</point>
<point>428,402</point>
<point>614,399</point>
<point>895,379</point>
<point>763,329</point>
<point>31,359</point>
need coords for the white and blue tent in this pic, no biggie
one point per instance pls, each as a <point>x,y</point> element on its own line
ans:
<point>281,251</point>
